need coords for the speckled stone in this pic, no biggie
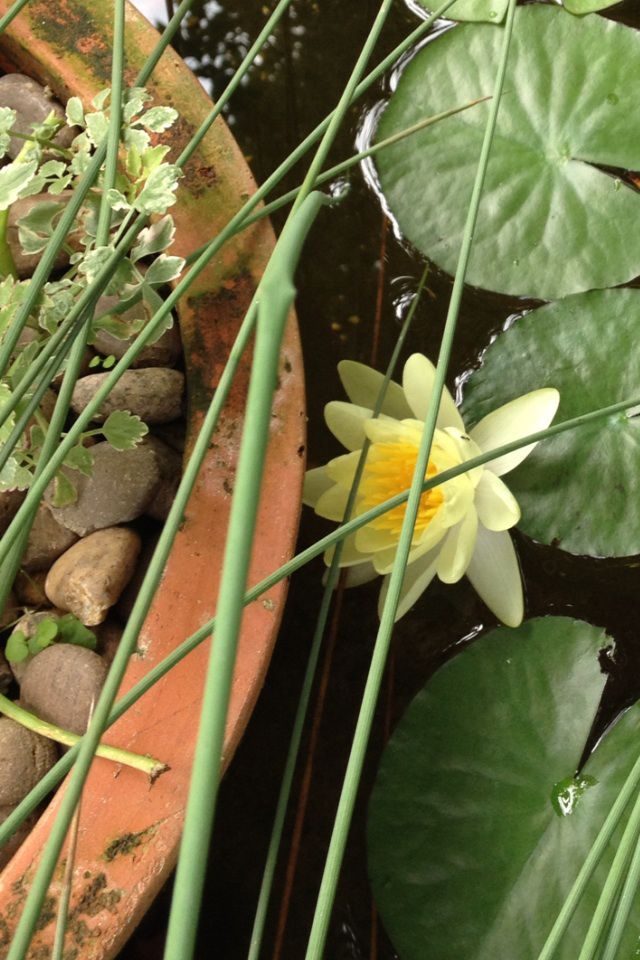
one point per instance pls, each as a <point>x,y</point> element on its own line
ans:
<point>153,393</point>
<point>32,104</point>
<point>25,757</point>
<point>62,684</point>
<point>88,579</point>
<point>47,541</point>
<point>121,485</point>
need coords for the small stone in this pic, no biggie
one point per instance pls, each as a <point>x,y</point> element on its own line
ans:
<point>8,849</point>
<point>164,352</point>
<point>62,685</point>
<point>152,393</point>
<point>33,103</point>
<point>47,541</point>
<point>10,502</point>
<point>88,579</point>
<point>25,757</point>
<point>121,485</point>
<point>170,464</point>
<point>29,588</point>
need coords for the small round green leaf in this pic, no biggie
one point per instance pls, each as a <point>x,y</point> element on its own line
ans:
<point>581,490</point>
<point>478,823</point>
<point>550,222</point>
<point>17,648</point>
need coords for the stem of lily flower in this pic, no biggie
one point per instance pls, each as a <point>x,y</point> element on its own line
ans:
<point>148,765</point>
<point>129,699</point>
<point>312,662</point>
<point>335,854</point>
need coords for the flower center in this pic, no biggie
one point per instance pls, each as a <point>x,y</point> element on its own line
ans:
<point>389,471</point>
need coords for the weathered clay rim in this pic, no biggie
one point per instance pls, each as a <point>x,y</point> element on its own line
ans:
<point>130,831</point>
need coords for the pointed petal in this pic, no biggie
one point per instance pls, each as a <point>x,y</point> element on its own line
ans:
<point>495,576</point>
<point>342,469</point>
<point>497,507</point>
<point>417,382</point>
<point>386,430</point>
<point>417,578</point>
<point>455,554</point>
<point>527,414</point>
<point>346,422</point>
<point>332,503</point>
<point>362,386</point>
<point>316,482</point>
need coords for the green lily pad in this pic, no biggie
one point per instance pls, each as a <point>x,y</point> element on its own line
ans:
<point>580,490</point>
<point>587,6</point>
<point>550,222</point>
<point>492,11</point>
<point>478,823</point>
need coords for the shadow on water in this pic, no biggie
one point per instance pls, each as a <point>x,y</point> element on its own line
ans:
<point>352,282</point>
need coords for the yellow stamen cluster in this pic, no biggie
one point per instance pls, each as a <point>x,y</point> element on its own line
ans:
<point>389,471</point>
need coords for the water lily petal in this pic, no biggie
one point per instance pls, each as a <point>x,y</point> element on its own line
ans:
<point>332,503</point>
<point>417,578</point>
<point>417,382</point>
<point>494,573</point>
<point>360,573</point>
<point>346,422</point>
<point>350,555</point>
<point>386,430</point>
<point>362,385</point>
<point>316,482</point>
<point>455,554</point>
<point>342,469</point>
<point>527,414</point>
<point>497,507</point>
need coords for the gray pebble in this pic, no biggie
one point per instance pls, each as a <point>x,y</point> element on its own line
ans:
<point>153,393</point>
<point>47,541</point>
<point>33,105</point>
<point>25,757</point>
<point>121,485</point>
<point>88,579</point>
<point>62,684</point>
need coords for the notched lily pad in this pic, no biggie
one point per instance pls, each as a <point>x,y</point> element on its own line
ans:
<point>551,222</point>
<point>580,490</point>
<point>478,823</point>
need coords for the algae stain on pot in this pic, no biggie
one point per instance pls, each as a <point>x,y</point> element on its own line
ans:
<point>67,19</point>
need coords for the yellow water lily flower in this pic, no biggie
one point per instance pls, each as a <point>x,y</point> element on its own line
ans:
<point>462,524</point>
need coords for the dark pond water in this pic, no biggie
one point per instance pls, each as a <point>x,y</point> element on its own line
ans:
<point>352,281</point>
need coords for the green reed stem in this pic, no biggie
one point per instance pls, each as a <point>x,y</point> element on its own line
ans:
<point>115,122</point>
<point>610,891</point>
<point>628,900</point>
<point>11,14</point>
<point>326,895</point>
<point>286,782</point>
<point>275,297</point>
<point>53,777</point>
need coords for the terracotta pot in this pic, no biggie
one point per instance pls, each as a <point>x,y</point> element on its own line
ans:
<point>129,830</point>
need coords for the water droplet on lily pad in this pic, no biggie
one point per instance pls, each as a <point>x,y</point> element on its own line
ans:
<point>567,793</point>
